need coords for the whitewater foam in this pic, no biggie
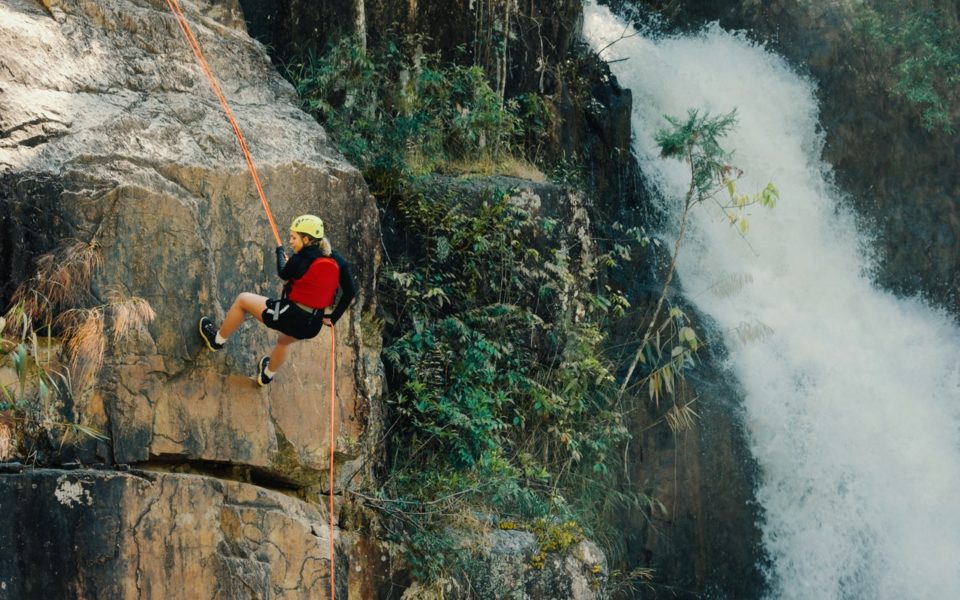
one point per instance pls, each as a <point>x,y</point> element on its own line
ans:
<point>852,400</point>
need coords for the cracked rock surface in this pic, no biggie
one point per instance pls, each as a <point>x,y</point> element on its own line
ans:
<point>158,536</point>
<point>110,134</point>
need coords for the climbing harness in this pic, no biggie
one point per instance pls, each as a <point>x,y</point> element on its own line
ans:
<point>198,54</point>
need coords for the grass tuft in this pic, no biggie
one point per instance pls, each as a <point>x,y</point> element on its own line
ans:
<point>681,418</point>
<point>86,343</point>
<point>130,314</point>
<point>61,278</point>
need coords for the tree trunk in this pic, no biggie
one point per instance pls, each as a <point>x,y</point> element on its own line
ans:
<point>360,24</point>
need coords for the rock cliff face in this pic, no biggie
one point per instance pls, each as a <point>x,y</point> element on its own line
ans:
<point>155,535</point>
<point>110,137</point>
<point>574,575</point>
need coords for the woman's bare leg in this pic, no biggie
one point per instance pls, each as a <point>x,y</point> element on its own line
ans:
<point>279,354</point>
<point>245,304</point>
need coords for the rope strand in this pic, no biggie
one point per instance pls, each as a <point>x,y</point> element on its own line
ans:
<point>333,373</point>
<point>211,78</point>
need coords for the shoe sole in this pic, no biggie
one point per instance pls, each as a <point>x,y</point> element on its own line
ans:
<point>260,382</point>
<point>203,337</point>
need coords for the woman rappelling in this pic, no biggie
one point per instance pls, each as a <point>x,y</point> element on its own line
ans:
<point>313,275</point>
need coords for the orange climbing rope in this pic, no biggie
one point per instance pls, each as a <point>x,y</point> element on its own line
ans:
<point>333,372</point>
<point>195,47</point>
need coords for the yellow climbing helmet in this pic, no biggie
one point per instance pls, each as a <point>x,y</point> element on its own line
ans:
<point>308,224</point>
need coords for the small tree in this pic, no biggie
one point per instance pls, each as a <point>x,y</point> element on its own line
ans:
<point>695,141</point>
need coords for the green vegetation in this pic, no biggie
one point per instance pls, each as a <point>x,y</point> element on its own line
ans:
<point>553,537</point>
<point>499,386</point>
<point>505,408</point>
<point>669,345</point>
<point>31,406</point>
<point>499,381</point>
<point>397,112</point>
<point>922,40</point>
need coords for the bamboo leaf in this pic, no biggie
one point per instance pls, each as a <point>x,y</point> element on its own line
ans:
<point>689,336</point>
<point>89,431</point>
<point>35,345</point>
<point>769,196</point>
<point>20,362</point>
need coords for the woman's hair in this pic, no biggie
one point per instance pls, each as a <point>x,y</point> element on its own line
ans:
<point>323,243</point>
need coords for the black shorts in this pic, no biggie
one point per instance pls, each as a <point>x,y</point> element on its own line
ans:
<point>286,317</point>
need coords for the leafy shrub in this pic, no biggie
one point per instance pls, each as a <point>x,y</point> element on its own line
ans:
<point>395,110</point>
<point>503,400</point>
<point>500,389</point>
<point>922,40</point>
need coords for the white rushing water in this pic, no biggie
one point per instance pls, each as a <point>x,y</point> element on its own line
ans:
<point>852,399</point>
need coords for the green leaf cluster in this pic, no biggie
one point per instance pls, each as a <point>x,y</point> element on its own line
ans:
<point>486,354</point>
<point>922,40</point>
<point>500,390</point>
<point>696,140</point>
<point>393,109</point>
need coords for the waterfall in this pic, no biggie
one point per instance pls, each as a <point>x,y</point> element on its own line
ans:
<point>851,395</point>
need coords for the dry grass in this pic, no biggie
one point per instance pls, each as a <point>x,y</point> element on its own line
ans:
<point>86,343</point>
<point>130,314</point>
<point>85,332</point>
<point>8,439</point>
<point>16,322</point>
<point>48,300</point>
<point>62,277</point>
<point>62,281</point>
<point>681,418</point>
<point>508,166</point>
